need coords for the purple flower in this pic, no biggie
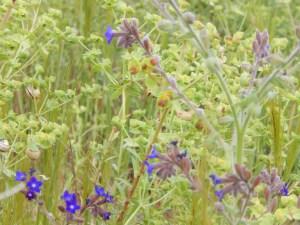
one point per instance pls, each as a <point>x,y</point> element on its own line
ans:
<point>20,176</point>
<point>30,195</point>
<point>34,184</point>
<point>68,197</point>
<point>72,207</point>
<point>154,153</point>
<point>215,179</point>
<point>106,215</point>
<point>108,198</point>
<point>219,194</point>
<point>100,191</point>
<point>284,191</point>
<point>150,167</point>
<point>109,34</point>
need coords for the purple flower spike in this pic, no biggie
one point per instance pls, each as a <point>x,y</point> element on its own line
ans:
<point>30,195</point>
<point>284,190</point>
<point>150,167</point>
<point>72,207</point>
<point>34,184</point>
<point>154,153</point>
<point>20,176</point>
<point>219,194</point>
<point>109,34</point>
<point>215,179</point>
<point>68,197</point>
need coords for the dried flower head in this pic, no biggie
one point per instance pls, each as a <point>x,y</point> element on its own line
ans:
<point>261,45</point>
<point>128,34</point>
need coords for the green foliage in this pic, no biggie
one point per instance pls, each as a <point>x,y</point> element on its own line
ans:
<point>91,108</point>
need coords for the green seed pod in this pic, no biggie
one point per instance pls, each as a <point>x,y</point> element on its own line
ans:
<point>189,17</point>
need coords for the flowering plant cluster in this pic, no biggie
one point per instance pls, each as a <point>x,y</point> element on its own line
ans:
<point>241,184</point>
<point>33,185</point>
<point>224,82</point>
<point>94,203</point>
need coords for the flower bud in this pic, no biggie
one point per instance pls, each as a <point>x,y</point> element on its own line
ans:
<point>154,60</point>
<point>165,98</point>
<point>219,207</point>
<point>33,154</point>
<point>256,182</point>
<point>189,17</point>
<point>147,44</point>
<point>4,145</point>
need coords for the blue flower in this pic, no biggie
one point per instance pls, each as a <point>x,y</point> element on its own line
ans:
<point>106,215</point>
<point>154,153</point>
<point>219,194</point>
<point>108,198</point>
<point>30,195</point>
<point>20,176</point>
<point>150,167</point>
<point>109,34</point>
<point>100,191</point>
<point>284,190</point>
<point>68,197</point>
<point>72,207</point>
<point>215,179</point>
<point>34,184</point>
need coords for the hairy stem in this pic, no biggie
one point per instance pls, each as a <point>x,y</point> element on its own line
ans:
<point>142,168</point>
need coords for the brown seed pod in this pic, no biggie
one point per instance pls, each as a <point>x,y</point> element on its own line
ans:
<point>33,154</point>
<point>134,70</point>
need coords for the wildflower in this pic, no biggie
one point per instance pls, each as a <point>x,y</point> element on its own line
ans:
<point>100,191</point>
<point>20,176</point>
<point>220,194</point>
<point>72,206</point>
<point>30,195</point>
<point>154,153</point>
<point>34,184</point>
<point>261,45</point>
<point>106,215</point>
<point>150,167</point>
<point>68,197</point>
<point>284,191</point>
<point>109,34</point>
<point>215,179</point>
<point>129,33</point>
<point>108,198</point>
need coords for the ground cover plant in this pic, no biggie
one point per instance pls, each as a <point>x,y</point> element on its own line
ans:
<point>149,112</point>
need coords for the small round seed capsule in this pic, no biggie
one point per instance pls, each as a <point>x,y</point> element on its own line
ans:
<point>33,154</point>
<point>189,17</point>
<point>4,145</point>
